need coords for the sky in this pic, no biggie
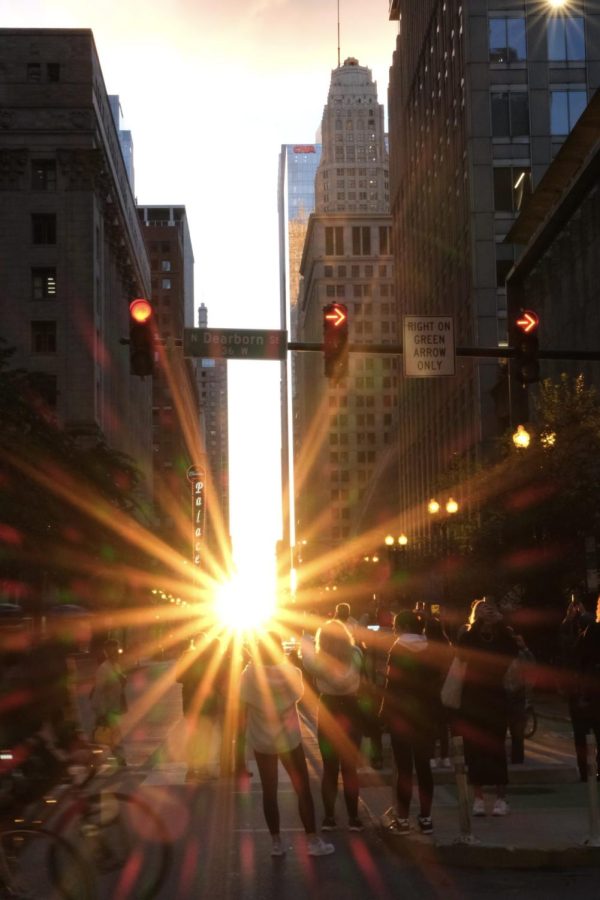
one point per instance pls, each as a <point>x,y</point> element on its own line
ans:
<point>210,90</point>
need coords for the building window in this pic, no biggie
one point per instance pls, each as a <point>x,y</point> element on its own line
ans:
<point>43,337</point>
<point>503,267</point>
<point>43,228</point>
<point>334,241</point>
<point>53,71</point>
<point>340,290</point>
<point>330,290</point>
<point>511,186</point>
<point>566,41</point>
<point>510,114</point>
<point>165,265</point>
<point>165,284</point>
<point>43,284</point>
<point>328,271</point>
<point>43,174</point>
<point>384,240</point>
<point>34,72</point>
<point>565,109</point>
<point>507,40</point>
<point>361,240</point>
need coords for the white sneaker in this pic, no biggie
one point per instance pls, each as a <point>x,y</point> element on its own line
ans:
<point>318,847</point>
<point>277,849</point>
<point>478,807</point>
<point>500,808</point>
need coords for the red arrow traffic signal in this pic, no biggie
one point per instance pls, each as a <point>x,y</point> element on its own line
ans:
<point>528,322</point>
<point>337,314</point>
<point>335,340</point>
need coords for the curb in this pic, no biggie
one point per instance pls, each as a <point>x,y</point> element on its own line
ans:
<point>556,774</point>
<point>489,856</point>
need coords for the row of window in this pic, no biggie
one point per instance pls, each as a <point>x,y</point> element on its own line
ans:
<point>358,290</point>
<point>510,111</point>
<point>355,271</point>
<point>37,72</point>
<point>565,39</point>
<point>361,240</point>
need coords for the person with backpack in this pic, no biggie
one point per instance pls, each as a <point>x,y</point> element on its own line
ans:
<point>270,689</point>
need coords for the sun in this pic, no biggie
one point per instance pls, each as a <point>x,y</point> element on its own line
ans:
<point>244,603</point>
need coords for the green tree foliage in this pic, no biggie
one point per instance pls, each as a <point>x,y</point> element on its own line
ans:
<point>537,505</point>
<point>57,491</point>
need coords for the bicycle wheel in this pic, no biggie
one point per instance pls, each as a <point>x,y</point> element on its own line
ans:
<point>530,722</point>
<point>29,874</point>
<point>125,840</point>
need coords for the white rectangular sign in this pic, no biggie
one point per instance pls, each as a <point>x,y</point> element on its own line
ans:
<point>428,346</point>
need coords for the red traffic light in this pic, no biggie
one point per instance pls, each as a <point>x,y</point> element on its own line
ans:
<point>336,313</point>
<point>528,322</point>
<point>140,310</point>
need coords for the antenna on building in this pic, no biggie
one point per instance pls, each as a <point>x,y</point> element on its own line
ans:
<point>338,31</point>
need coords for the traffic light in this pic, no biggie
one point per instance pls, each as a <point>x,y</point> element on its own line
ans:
<point>335,340</point>
<point>141,338</point>
<point>527,367</point>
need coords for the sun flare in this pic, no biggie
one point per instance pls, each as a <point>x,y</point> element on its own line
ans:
<point>244,603</point>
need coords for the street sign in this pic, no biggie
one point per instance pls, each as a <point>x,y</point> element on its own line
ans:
<point>528,322</point>
<point>234,343</point>
<point>428,346</point>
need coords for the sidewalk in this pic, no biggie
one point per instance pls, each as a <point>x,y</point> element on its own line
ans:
<point>547,827</point>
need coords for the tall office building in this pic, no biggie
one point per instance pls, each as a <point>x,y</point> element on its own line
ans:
<point>482,94</point>
<point>344,428</point>
<point>295,202</point>
<point>175,408</point>
<point>211,378</point>
<point>72,254</point>
<point>125,138</point>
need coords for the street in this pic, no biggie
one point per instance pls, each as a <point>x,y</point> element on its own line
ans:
<point>221,847</point>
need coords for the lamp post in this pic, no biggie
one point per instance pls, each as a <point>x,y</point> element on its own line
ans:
<point>451,508</point>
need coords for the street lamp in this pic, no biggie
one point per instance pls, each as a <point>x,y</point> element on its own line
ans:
<point>403,540</point>
<point>433,507</point>
<point>451,506</point>
<point>521,438</point>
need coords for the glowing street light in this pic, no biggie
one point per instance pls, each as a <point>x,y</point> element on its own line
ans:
<point>521,438</point>
<point>389,540</point>
<point>451,506</point>
<point>433,507</point>
<point>403,540</point>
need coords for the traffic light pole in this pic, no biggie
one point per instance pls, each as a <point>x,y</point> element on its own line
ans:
<point>497,352</point>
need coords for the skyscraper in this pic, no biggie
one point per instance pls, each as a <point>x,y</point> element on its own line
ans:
<point>295,202</point>
<point>343,428</point>
<point>482,95</point>
<point>175,407</point>
<point>71,249</point>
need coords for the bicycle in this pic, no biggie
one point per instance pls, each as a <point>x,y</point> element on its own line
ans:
<point>89,844</point>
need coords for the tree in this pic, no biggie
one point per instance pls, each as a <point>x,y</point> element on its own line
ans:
<point>538,505</point>
<point>57,494</point>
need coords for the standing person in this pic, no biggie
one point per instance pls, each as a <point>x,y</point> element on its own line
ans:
<point>588,652</point>
<point>108,698</point>
<point>488,648</point>
<point>517,695</point>
<point>571,630</point>
<point>410,709</point>
<point>436,635</point>
<point>343,614</point>
<point>200,673</point>
<point>336,662</point>
<point>270,689</point>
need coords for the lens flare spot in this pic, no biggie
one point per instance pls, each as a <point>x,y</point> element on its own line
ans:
<point>245,602</point>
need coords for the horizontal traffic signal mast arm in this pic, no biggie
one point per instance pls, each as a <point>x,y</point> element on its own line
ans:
<point>498,352</point>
